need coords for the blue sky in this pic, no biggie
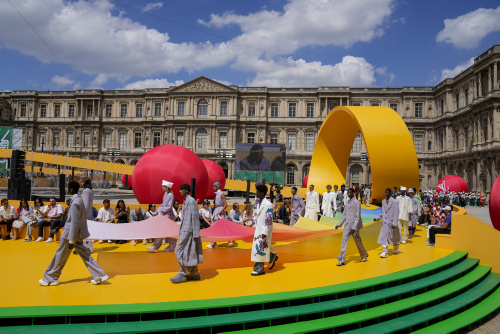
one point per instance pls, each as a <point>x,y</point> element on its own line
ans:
<point>307,43</point>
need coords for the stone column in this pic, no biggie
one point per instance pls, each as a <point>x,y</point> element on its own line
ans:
<point>495,75</point>
<point>489,79</point>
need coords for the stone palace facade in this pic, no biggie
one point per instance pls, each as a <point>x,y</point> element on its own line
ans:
<point>455,125</point>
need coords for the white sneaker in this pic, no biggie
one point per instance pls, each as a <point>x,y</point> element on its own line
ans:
<point>163,242</point>
<point>403,242</point>
<point>49,240</point>
<point>152,249</point>
<point>45,283</point>
<point>144,242</point>
<point>384,255</point>
<point>100,280</point>
<point>100,241</point>
<point>110,241</point>
<point>39,239</point>
<point>395,251</point>
<point>132,242</point>
<point>363,259</point>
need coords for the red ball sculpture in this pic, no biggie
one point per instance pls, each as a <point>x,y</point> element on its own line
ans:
<point>494,204</point>
<point>129,180</point>
<point>171,163</point>
<point>215,174</point>
<point>452,183</point>
<point>304,182</point>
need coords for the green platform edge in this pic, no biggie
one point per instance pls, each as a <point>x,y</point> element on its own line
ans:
<point>87,310</point>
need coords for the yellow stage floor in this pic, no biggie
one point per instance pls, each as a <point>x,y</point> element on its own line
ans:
<point>137,276</point>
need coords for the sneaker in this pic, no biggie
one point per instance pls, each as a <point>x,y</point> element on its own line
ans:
<point>163,242</point>
<point>403,242</point>
<point>258,273</point>
<point>194,277</point>
<point>100,280</point>
<point>100,241</point>
<point>340,264</point>
<point>110,241</point>
<point>7,237</point>
<point>152,249</point>
<point>144,242</point>
<point>178,279</point>
<point>39,239</point>
<point>363,259</point>
<point>132,242</point>
<point>45,283</point>
<point>395,250</point>
<point>273,260</point>
<point>28,239</point>
<point>384,255</point>
<point>429,244</point>
<point>230,244</point>
<point>212,245</point>
<point>49,240</point>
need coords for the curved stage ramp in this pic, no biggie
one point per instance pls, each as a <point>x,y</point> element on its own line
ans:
<point>422,289</point>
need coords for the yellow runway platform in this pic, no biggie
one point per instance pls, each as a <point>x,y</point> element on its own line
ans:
<point>137,276</point>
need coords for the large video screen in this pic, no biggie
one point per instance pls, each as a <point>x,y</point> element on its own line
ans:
<point>260,157</point>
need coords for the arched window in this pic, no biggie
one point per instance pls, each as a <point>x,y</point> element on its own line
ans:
<point>201,138</point>
<point>290,174</point>
<point>355,172</point>
<point>225,168</point>
<point>202,107</point>
<point>305,171</point>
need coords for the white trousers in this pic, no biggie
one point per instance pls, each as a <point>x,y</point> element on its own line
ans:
<point>403,227</point>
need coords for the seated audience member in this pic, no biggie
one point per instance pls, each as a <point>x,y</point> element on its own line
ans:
<point>51,217</point>
<point>248,215</point>
<point>235,214</point>
<point>121,214</point>
<point>136,216</point>
<point>283,215</point>
<point>94,213</point>
<point>205,215</point>
<point>25,216</point>
<point>152,212</point>
<point>445,228</point>
<point>7,216</point>
<point>279,197</point>
<point>106,215</point>
<point>177,210</point>
<point>38,210</point>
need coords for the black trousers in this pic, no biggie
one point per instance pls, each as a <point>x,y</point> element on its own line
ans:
<point>434,231</point>
<point>53,224</point>
<point>203,224</point>
<point>8,223</point>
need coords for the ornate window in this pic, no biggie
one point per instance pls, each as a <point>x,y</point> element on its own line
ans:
<point>157,109</point>
<point>108,110</point>
<point>138,110</point>
<point>310,109</point>
<point>180,108</point>
<point>274,110</point>
<point>223,108</point>
<point>251,109</point>
<point>290,174</point>
<point>123,111</point>
<point>201,138</point>
<point>292,109</point>
<point>202,108</point>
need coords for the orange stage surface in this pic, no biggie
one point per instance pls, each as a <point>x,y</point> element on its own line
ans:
<point>137,276</point>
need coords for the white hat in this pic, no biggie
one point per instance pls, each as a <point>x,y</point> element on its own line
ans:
<point>166,183</point>
<point>402,188</point>
<point>448,208</point>
<point>411,190</point>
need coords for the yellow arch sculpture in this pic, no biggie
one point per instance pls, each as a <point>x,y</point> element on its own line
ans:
<point>390,147</point>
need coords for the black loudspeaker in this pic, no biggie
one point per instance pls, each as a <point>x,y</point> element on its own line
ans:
<point>18,187</point>
<point>62,187</point>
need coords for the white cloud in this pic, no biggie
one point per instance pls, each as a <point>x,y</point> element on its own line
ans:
<point>468,30</point>
<point>151,6</point>
<point>152,83</point>
<point>309,22</point>
<point>352,71</point>
<point>100,80</point>
<point>94,38</point>
<point>60,81</point>
<point>447,73</point>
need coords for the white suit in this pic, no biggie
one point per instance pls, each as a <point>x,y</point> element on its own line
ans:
<point>312,205</point>
<point>329,204</point>
<point>405,208</point>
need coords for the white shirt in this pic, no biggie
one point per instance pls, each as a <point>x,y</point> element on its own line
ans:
<point>106,215</point>
<point>7,213</point>
<point>205,213</point>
